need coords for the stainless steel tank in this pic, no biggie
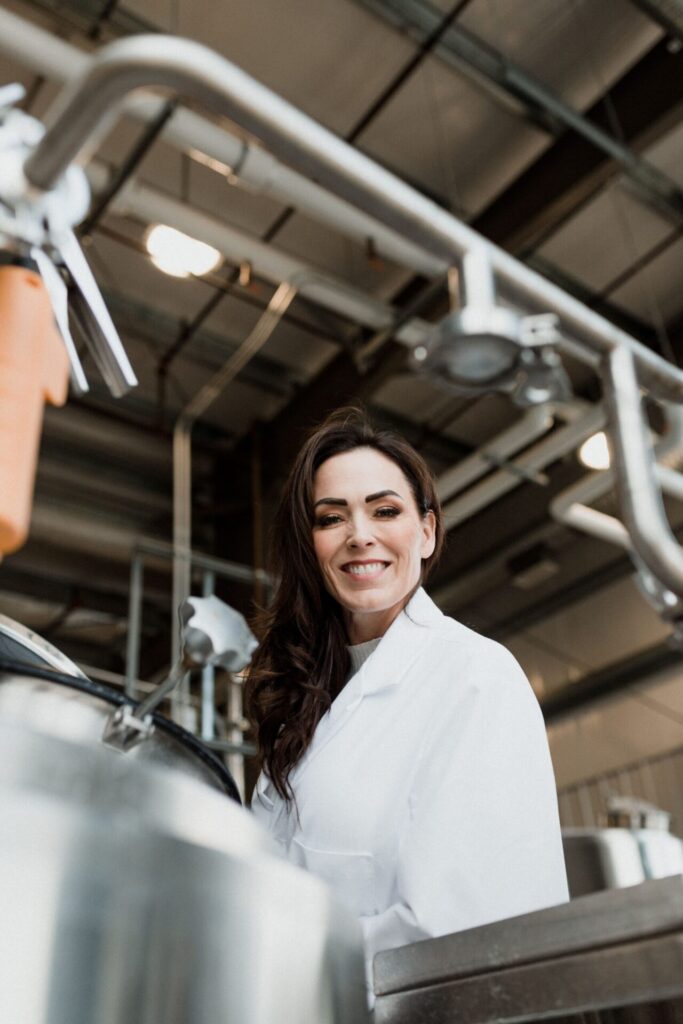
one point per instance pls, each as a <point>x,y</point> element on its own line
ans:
<point>134,892</point>
<point>612,858</point>
<point>635,847</point>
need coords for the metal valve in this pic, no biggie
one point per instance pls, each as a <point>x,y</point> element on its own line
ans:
<point>213,633</point>
<point>38,225</point>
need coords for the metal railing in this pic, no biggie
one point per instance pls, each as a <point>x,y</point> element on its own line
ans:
<point>208,568</point>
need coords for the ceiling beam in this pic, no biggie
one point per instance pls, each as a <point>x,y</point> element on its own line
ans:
<point>609,681</point>
<point>644,103</point>
<point>529,97</point>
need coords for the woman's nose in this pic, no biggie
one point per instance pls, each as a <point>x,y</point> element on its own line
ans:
<point>360,533</point>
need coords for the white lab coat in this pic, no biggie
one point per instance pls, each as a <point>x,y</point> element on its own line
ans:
<point>426,798</point>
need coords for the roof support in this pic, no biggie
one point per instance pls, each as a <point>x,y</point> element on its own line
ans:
<point>544,108</point>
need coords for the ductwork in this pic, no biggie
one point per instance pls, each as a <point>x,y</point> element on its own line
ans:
<point>242,162</point>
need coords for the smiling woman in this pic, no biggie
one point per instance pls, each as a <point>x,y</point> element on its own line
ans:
<point>404,756</point>
<point>370,544</point>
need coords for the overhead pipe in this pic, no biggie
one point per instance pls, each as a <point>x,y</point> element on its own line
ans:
<point>267,261</point>
<point>533,424</point>
<point>188,69</point>
<point>572,506</point>
<point>241,161</point>
<point>532,461</point>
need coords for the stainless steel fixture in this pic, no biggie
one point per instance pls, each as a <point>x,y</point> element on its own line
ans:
<point>132,890</point>
<point>609,958</point>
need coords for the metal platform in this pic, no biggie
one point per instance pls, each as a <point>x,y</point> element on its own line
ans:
<point>615,957</point>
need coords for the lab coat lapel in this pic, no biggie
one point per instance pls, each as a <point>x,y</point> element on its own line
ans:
<point>386,667</point>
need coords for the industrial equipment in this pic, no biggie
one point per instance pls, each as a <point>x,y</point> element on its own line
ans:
<point>609,958</point>
<point>132,890</point>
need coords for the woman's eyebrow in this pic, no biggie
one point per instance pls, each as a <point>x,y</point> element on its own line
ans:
<point>331,501</point>
<point>342,501</point>
<point>381,494</point>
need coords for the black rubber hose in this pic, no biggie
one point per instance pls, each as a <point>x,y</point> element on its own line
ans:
<point>94,689</point>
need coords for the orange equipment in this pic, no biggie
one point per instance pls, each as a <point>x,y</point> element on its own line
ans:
<point>34,369</point>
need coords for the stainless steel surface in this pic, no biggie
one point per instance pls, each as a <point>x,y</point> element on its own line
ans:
<point>603,952</point>
<point>612,858</point>
<point>69,714</point>
<point>191,70</point>
<point>132,895</point>
<point>20,641</point>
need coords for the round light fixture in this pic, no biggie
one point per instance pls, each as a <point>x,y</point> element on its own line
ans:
<point>594,452</point>
<point>178,254</point>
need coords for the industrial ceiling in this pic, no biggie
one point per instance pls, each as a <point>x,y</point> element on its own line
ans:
<point>554,129</point>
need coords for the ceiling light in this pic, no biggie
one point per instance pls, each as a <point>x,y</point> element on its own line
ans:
<point>594,452</point>
<point>178,254</point>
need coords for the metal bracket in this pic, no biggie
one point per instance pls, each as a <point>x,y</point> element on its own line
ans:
<point>124,729</point>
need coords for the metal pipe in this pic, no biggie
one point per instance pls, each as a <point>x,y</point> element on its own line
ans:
<point>572,506</point>
<point>640,496</point>
<point>235,737</point>
<point>243,163</point>
<point>134,625</point>
<point>324,289</point>
<point>220,566</point>
<point>182,448</point>
<point>529,462</point>
<point>90,103</point>
<point>533,424</point>
<point>208,712</point>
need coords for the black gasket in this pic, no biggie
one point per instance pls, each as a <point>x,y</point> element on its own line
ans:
<point>94,689</point>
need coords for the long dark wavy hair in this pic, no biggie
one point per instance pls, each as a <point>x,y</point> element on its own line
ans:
<point>302,662</point>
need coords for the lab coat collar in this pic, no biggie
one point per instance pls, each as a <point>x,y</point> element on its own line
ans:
<point>386,667</point>
<point>389,662</point>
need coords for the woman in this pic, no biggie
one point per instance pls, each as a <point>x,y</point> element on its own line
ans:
<point>404,756</point>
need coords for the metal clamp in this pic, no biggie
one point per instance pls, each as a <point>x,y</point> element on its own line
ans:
<point>487,347</point>
<point>39,225</point>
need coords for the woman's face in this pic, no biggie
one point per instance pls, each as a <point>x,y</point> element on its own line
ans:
<point>369,538</point>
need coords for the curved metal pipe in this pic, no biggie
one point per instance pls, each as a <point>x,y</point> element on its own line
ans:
<point>640,496</point>
<point>193,71</point>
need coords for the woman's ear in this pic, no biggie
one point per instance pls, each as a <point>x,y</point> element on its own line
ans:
<point>428,534</point>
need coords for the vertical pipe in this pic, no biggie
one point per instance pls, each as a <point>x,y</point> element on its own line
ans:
<point>235,713</point>
<point>208,674</point>
<point>134,625</point>
<point>182,547</point>
<point>257,517</point>
<point>478,279</point>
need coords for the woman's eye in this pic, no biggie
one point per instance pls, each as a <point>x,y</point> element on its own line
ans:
<point>387,512</point>
<point>331,519</point>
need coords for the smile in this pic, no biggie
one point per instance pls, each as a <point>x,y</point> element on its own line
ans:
<point>364,568</point>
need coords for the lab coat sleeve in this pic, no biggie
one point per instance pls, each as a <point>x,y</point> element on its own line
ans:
<point>482,839</point>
